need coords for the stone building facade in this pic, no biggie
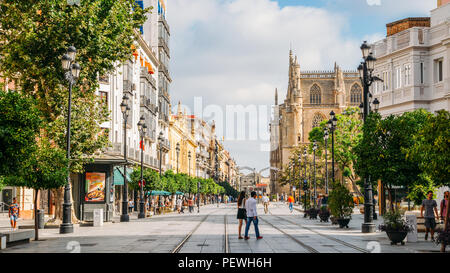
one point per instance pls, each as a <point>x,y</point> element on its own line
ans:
<point>310,98</point>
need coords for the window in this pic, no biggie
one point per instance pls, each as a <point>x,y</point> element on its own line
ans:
<point>398,77</point>
<point>356,94</point>
<point>438,70</point>
<point>407,74</point>
<point>385,80</point>
<point>104,98</point>
<point>317,120</point>
<point>421,73</point>
<point>315,95</point>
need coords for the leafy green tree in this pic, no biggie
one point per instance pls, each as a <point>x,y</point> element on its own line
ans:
<point>38,35</point>
<point>19,128</point>
<point>431,149</point>
<point>229,190</point>
<point>340,201</point>
<point>382,151</point>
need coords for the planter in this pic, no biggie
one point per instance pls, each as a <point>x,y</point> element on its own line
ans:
<point>313,213</point>
<point>343,222</point>
<point>333,220</point>
<point>324,216</point>
<point>397,237</point>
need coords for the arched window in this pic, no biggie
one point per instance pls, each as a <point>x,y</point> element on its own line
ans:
<point>356,94</point>
<point>315,95</point>
<point>318,118</point>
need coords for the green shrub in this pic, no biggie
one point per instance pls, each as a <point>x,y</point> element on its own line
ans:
<point>340,201</point>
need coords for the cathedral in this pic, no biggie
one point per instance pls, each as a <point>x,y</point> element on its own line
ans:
<point>310,98</point>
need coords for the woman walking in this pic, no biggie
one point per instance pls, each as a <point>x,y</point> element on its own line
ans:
<point>242,213</point>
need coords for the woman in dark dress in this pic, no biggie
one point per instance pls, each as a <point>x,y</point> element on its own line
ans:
<point>242,213</point>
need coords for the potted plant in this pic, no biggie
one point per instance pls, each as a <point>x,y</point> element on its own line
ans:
<point>395,227</point>
<point>313,213</point>
<point>324,214</point>
<point>341,204</point>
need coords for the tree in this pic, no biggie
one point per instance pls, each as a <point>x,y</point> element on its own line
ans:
<point>35,34</point>
<point>347,135</point>
<point>340,201</point>
<point>45,169</point>
<point>382,151</point>
<point>19,127</point>
<point>431,149</point>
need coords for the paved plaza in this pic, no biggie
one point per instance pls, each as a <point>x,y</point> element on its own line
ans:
<point>214,230</point>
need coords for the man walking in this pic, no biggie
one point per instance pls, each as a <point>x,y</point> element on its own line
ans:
<point>430,207</point>
<point>265,200</point>
<point>191,204</point>
<point>13,213</point>
<point>252,216</point>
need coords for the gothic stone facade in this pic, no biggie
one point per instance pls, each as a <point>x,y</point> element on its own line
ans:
<point>311,96</point>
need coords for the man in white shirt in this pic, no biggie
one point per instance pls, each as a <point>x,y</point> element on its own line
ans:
<point>252,216</point>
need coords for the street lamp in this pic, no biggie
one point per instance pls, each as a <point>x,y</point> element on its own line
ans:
<point>126,112</point>
<point>142,128</point>
<point>325,137</point>
<point>332,123</point>
<point>365,71</point>
<point>160,142</point>
<point>299,178</point>
<point>72,73</point>
<point>315,185</point>
<point>178,153</point>
<point>305,182</point>
<point>198,184</point>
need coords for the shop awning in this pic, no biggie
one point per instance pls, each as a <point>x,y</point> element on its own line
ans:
<point>165,193</point>
<point>179,193</point>
<point>118,175</point>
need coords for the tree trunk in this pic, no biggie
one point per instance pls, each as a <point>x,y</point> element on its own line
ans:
<point>59,200</point>
<point>36,228</point>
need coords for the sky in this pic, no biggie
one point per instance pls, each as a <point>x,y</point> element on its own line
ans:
<point>228,54</point>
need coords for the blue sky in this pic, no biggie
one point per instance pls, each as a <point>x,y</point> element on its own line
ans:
<point>235,52</point>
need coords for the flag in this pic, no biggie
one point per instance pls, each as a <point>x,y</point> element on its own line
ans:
<point>141,145</point>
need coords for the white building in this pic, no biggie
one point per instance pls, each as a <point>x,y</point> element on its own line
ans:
<point>413,62</point>
<point>145,80</point>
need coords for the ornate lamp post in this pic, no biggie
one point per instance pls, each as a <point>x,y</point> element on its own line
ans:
<point>198,185</point>
<point>305,182</point>
<point>142,128</point>
<point>332,123</point>
<point>178,153</point>
<point>299,178</point>
<point>325,137</point>
<point>365,71</point>
<point>126,112</point>
<point>315,185</point>
<point>72,73</point>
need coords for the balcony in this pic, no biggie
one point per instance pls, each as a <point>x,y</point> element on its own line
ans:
<point>162,43</point>
<point>165,145</point>
<point>127,86</point>
<point>163,21</point>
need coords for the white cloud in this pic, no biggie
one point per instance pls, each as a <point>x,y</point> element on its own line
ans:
<point>236,52</point>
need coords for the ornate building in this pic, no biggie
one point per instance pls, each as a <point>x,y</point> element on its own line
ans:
<point>310,97</point>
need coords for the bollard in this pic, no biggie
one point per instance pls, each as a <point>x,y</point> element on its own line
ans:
<point>412,237</point>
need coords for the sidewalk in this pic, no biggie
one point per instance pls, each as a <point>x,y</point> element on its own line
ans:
<point>353,235</point>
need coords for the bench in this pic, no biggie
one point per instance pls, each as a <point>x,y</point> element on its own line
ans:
<point>15,237</point>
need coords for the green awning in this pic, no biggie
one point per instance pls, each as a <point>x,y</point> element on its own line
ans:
<point>165,193</point>
<point>118,175</point>
<point>179,193</point>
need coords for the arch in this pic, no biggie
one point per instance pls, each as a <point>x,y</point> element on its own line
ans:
<point>317,119</point>
<point>356,94</point>
<point>315,94</point>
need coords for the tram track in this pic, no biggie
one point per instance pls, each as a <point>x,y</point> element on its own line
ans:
<point>323,235</point>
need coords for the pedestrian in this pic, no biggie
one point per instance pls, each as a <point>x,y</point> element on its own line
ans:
<point>13,213</point>
<point>179,204</point>
<point>430,207</point>
<point>265,201</point>
<point>191,204</point>
<point>242,212</point>
<point>444,206</point>
<point>252,216</point>
<point>130,205</point>
<point>291,201</point>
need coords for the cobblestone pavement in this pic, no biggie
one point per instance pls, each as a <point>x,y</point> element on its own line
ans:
<point>283,232</point>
